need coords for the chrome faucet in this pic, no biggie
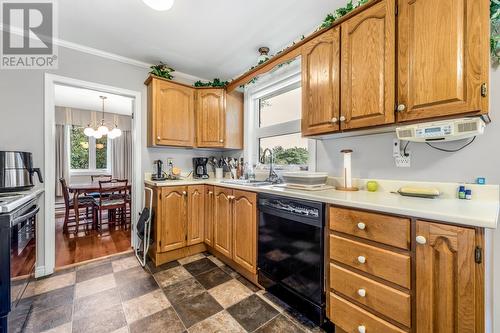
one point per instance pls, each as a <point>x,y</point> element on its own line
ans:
<point>273,177</point>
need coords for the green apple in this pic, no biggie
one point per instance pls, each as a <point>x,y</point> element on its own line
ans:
<point>372,186</point>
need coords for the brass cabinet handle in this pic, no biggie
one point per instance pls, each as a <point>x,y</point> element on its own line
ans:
<point>158,137</point>
<point>184,193</point>
<point>221,141</point>
<point>361,259</point>
<point>334,120</point>
<point>401,108</point>
<point>362,292</point>
<point>231,197</point>
<point>361,226</point>
<point>210,193</point>
<point>342,119</point>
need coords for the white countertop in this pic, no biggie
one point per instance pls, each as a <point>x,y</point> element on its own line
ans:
<point>481,212</point>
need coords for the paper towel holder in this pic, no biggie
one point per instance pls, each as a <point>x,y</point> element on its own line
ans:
<point>347,186</point>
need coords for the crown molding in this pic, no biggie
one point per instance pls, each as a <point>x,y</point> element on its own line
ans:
<point>184,77</point>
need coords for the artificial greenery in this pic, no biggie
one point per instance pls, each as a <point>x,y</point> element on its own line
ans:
<point>495,31</point>
<point>216,83</point>
<point>162,70</point>
<point>339,12</point>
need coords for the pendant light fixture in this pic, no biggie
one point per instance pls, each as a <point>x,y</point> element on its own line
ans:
<point>102,130</point>
<point>159,5</point>
<point>264,54</point>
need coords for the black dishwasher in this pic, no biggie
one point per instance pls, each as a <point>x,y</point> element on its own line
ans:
<point>291,253</point>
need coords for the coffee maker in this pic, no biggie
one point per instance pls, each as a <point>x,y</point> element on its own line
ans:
<point>159,175</point>
<point>200,167</point>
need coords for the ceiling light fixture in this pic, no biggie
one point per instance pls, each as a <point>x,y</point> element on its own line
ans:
<point>264,54</point>
<point>160,5</point>
<point>102,130</point>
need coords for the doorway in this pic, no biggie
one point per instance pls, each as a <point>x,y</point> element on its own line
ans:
<point>80,165</point>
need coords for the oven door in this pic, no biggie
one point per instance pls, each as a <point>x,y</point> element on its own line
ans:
<point>22,264</point>
<point>290,251</point>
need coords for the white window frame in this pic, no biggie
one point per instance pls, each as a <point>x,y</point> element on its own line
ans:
<point>283,80</point>
<point>92,170</point>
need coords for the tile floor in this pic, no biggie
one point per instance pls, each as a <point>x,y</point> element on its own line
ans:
<point>195,294</point>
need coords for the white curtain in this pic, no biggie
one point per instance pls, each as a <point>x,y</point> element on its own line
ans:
<point>62,162</point>
<point>121,156</point>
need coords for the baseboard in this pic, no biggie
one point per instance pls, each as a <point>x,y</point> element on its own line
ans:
<point>41,271</point>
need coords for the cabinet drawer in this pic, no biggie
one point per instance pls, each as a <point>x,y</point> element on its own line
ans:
<point>388,265</point>
<point>350,318</point>
<point>390,230</point>
<point>388,301</point>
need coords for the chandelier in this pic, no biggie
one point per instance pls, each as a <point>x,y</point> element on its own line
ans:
<point>102,130</point>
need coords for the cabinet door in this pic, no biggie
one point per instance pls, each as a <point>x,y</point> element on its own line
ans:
<point>321,84</point>
<point>173,221</point>
<point>209,215</point>
<point>211,120</point>
<point>443,57</point>
<point>196,214</point>
<point>368,67</point>
<point>223,221</point>
<point>174,114</point>
<point>245,230</point>
<point>445,279</point>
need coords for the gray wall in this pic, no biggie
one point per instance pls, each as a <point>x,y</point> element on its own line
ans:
<point>22,113</point>
<point>372,157</point>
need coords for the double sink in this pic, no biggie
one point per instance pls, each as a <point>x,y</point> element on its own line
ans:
<point>246,182</point>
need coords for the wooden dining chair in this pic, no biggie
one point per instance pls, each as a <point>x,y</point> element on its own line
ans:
<point>95,179</point>
<point>86,202</point>
<point>112,198</point>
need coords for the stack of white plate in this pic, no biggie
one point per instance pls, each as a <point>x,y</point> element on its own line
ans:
<point>305,180</point>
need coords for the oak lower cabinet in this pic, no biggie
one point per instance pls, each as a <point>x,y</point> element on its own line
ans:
<point>449,281</point>
<point>397,274</point>
<point>223,221</point>
<point>209,215</point>
<point>368,67</point>
<point>245,230</point>
<point>170,113</point>
<point>235,226</point>
<point>443,58</point>
<point>179,221</point>
<point>321,84</point>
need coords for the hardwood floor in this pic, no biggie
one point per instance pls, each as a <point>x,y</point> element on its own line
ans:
<point>88,245</point>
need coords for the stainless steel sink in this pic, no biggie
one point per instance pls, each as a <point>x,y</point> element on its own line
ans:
<point>246,182</point>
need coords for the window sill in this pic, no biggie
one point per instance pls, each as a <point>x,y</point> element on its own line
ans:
<point>89,172</point>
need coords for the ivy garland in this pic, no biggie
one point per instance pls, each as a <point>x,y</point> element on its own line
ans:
<point>216,83</point>
<point>162,70</point>
<point>495,31</point>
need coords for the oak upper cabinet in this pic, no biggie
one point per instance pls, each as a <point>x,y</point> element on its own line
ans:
<point>170,113</point>
<point>171,223</point>
<point>448,280</point>
<point>209,215</point>
<point>443,58</point>
<point>223,219</point>
<point>210,114</point>
<point>321,84</point>
<point>245,230</point>
<point>368,67</point>
<point>196,214</point>
<point>219,119</point>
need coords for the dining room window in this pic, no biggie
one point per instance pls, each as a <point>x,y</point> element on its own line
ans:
<point>87,154</point>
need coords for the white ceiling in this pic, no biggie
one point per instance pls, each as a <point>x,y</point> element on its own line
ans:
<point>86,99</point>
<point>205,38</point>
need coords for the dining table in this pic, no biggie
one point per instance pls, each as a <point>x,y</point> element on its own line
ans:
<point>93,187</point>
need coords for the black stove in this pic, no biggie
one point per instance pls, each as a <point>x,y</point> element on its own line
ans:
<point>18,221</point>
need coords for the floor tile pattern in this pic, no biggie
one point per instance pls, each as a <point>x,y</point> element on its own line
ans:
<point>198,294</point>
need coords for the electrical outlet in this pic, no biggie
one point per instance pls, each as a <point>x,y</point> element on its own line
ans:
<point>404,161</point>
<point>396,148</point>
